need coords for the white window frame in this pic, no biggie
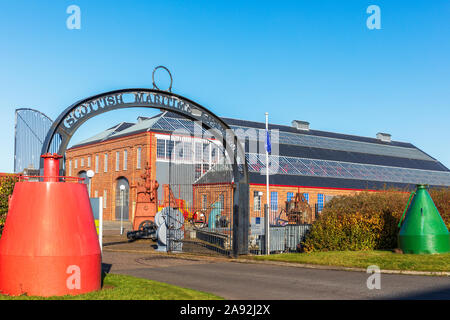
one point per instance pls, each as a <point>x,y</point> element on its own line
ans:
<point>138,157</point>
<point>256,201</point>
<point>274,201</point>
<point>125,159</point>
<point>158,157</point>
<point>70,168</point>
<point>97,164</point>
<point>105,163</point>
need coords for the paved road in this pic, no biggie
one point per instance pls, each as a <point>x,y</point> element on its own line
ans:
<point>243,281</point>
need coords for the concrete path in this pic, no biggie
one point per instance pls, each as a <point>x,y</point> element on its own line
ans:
<point>233,280</point>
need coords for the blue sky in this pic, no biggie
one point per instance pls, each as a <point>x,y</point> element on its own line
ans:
<point>308,60</point>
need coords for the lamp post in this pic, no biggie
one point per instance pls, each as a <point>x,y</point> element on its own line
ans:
<point>90,174</point>
<point>122,189</point>
<point>267,216</point>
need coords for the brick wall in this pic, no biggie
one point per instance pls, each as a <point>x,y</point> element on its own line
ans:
<point>211,191</point>
<point>106,181</point>
<point>282,194</point>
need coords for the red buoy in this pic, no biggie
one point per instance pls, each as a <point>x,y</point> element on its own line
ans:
<point>49,245</point>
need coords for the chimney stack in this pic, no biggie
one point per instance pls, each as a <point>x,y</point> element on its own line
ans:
<point>300,125</point>
<point>384,137</point>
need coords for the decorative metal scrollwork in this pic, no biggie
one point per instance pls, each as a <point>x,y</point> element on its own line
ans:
<point>153,78</point>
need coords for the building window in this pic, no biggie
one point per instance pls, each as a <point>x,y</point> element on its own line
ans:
<point>89,161</point>
<point>76,163</point>
<point>117,160</point>
<point>198,152</point>
<point>96,164</point>
<point>289,196</point>
<point>206,153</point>
<point>160,149</point>
<point>306,196</point>
<point>138,156</point>
<point>82,162</point>
<point>213,154</point>
<point>320,202</point>
<point>179,151</point>
<point>105,193</point>
<point>204,202</point>
<point>70,168</point>
<point>125,159</point>
<point>169,148</point>
<point>106,163</point>
<point>274,201</point>
<point>187,151</point>
<point>256,201</point>
<point>198,170</point>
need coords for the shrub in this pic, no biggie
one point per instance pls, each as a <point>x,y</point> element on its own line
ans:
<point>7,183</point>
<point>441,198</point>
<point>365,221</point>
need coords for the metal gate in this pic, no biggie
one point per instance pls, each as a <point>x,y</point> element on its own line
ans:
<point>74,116</point>
<point>197,180</point>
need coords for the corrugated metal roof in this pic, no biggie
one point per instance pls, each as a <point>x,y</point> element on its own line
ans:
<point>107,134</point>
<point>314,154</point>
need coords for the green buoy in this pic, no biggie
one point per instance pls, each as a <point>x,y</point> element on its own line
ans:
<point>423,230</point>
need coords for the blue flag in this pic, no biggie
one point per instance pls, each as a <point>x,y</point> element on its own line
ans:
<point>268,145</point>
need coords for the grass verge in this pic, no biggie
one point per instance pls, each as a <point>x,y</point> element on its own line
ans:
<point>362,259</point>
<point>122,287</point>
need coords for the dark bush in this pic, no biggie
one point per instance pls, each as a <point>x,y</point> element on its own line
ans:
<point>7,183</point>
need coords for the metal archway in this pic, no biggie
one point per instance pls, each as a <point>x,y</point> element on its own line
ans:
<point>73,117</point>
<point>30,129</point>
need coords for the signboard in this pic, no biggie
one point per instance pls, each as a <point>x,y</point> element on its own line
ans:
<point>257,226</point>
<point>97,210</point>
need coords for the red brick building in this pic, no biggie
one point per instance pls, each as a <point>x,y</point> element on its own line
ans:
<point>318,164</point>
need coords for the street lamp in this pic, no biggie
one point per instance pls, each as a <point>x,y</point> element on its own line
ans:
<point>122,189</point>
<point>90,174</point>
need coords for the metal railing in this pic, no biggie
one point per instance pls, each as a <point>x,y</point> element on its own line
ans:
<point>50,179</point>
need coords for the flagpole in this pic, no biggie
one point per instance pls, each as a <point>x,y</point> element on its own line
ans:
<point>267,189</point>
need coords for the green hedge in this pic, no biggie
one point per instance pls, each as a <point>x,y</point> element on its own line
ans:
<point>365,221</point>
<point>7,183</point>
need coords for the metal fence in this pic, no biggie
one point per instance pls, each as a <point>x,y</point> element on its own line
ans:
<point>282,239</point>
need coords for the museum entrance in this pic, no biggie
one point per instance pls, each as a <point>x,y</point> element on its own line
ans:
<point>196,183</point>
<point>122,191</point>
<point>206,198</point>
